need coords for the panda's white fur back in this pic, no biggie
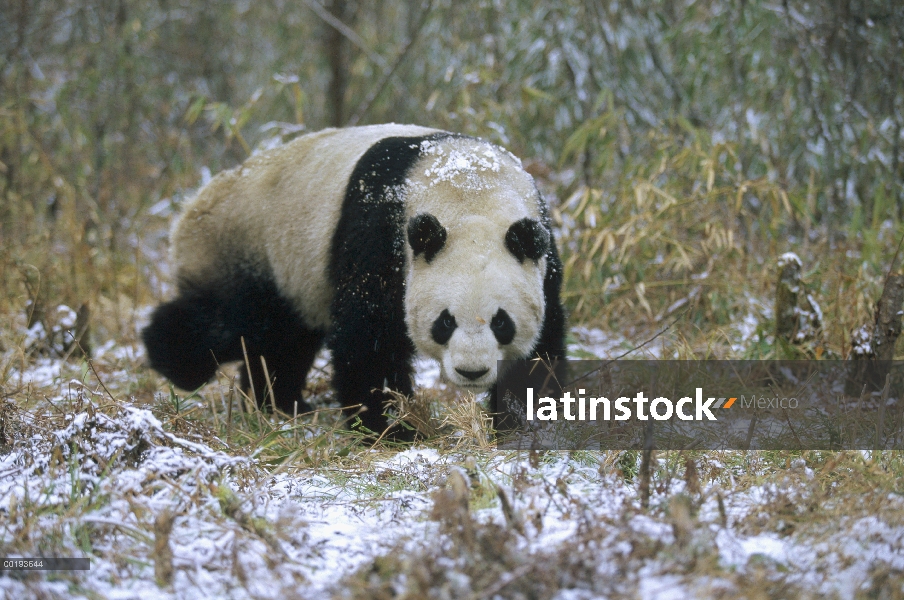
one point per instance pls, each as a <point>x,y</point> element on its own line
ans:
<point>281,207</point>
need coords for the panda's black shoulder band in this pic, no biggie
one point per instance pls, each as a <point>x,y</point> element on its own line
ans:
<point>369,341</point>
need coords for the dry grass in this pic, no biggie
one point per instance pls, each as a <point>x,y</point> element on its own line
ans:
<point>607,555</point>
<point>446,419</point>
<point>683,233</point>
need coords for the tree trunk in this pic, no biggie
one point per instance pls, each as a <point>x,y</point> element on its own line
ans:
<point>337,51</point>
<point>873,353</point>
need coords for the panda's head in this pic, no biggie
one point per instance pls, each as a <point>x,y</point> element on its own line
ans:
<point>477,260</point>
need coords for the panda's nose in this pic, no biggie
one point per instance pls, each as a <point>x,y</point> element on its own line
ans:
<point>472,375</point>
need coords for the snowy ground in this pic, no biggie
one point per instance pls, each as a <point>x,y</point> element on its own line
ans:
<point>87,470</point>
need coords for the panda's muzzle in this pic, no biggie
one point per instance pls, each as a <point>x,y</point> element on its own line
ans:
<point>472,375</point>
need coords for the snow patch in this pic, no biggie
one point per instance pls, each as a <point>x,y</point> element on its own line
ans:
<point>460,167</point>
<point>789,258</point>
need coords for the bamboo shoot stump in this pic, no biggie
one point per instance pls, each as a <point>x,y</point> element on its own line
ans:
<point>874,348</point>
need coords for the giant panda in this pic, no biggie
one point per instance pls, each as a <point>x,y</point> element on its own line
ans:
<point>381,242</point>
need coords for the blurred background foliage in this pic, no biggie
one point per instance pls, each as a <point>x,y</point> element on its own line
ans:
<point>683,145</point>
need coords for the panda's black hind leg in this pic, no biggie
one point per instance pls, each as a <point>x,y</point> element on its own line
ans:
<point>181,341</point>
<point>289,354</point>
<point>204,327</point>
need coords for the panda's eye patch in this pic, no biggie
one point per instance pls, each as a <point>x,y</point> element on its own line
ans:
<point>503,327</point>
<point>426,235</point>
<point>443,327</point>
<point>527,238</point>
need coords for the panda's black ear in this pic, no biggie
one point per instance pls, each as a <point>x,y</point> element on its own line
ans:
<point>426,235</point>
<point>527,238</point>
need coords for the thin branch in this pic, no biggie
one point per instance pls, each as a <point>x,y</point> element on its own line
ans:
<point>624,354</point>
<point>99,380</point>
<point>669,77</point>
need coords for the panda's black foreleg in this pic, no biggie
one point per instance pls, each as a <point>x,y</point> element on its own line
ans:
<point>372,399</point>
<point>360,384</point>
<point>551,344</point>
<point>365,361</point>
